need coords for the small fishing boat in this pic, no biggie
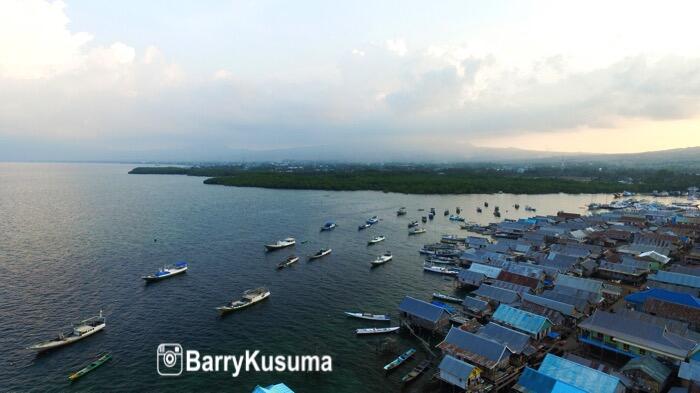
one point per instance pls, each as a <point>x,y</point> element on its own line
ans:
<point>321,253</point>
<point>79,331</point>
<point>368,316</point>
<point>497,213</point>
<point>280,244</point>
<point>249,298</point>
<point>413,224</point>
<point>329,226</point>
<point>530,209</point>
<point>376,239</point>
<point>447,298</point>
<point>446,213</point>
<point>382,259</point>
<point>431,216</point>
<point>454,217</point>
<point>458,210</point>
<point>416,231</point>
<point>478,210</point>
<point>440,261</point>
<point>400,360</point>
<point>401,211</point>
<point>424,219</point>
<point>101,359</point>
<point>373,220</point>
<point>363,226</point>
<point>377,330</point>
<point>516,206</point>
<point>452,239</point>
<point>166,271</point>
<point>440,270</point>
<point>288,262</point>
<point>432,210</point>
<point>416,372</point>
<point>486,204</point>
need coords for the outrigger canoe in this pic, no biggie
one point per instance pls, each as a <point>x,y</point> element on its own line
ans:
<point>102,359</point>
<point>399,360</point>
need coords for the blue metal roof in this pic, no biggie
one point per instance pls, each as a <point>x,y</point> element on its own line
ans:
<point>279,388</point>
<point>667,296</point>
<point>419,308</point>
<point>488,271</point>
<point>580,376</point>
<point>456,367</point>
<point>519,319</point>
<point>469,342</point>
<point>532,381</point>
<point>562,307</point>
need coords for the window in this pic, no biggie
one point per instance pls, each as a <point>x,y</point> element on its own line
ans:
<point>625,347</point>
<point>642,352</point>
<point>599,336</point>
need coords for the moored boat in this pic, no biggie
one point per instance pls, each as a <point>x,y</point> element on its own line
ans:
<point>401,211</point>
<point>329,226</point>
<point>400,360</point>
<point>455,217</point>
<point>440,270</point>
<point>368,316</point>
<point>416,231</point>
<point>376,239</point>
<point>167,271</point>
<point>249,298</point>
<point>440,261</point>
<point>101,359</point>
<point>280,244</point>
<point>424,219</point>
<point>288,262</point>
<point>458,210</point>
<point>452,239</point>
<point>447,298</point>
<point>321,253</point>
<point>79,331</point>
<point>416,372</point>
<point>363,226</point>
<point>413,224</point>
<point>382,259</point>
<point>377,330</point>
<point>478,210</point>
<point>446,213</point>
<point>373,220</point>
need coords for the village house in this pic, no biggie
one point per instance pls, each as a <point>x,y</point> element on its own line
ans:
<point>489,356</point>
<point>423,315</point>
<point>535,325</point>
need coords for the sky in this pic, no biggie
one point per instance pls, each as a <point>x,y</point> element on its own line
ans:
<point>112,80</point>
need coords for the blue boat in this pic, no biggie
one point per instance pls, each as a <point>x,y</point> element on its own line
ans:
<point>167,271</point>
<point>329,226</point>
<point>399,360</point>
<point>373,220</point>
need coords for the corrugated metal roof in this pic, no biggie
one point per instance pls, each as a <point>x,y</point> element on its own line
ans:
<point>564,308</point>
<point>532,381</point>
<point>620,268</point>
<point>645,333</point>
<point>689,371</point>
<point>424,310</point>
<point>497,294</point>
<point>488,271</point>
<point>521,320</point>
<point>474,305</point>
<point>470,277</point>
<point>510,286</point>
<point>579,283</point>
<point>515,341</point>
<point>649,366</point>
<point>279,388</point>
<point>582,377</point>
<point>662,294</point>
<point>676,278</point>
<point>454,366</point>
<point>480,350</point>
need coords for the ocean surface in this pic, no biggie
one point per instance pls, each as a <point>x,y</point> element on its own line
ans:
<point>76,238</point>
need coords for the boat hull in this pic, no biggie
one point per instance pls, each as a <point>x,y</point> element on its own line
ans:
<point>163,277</point>
<point>228,309</point>
<point>49,345</point>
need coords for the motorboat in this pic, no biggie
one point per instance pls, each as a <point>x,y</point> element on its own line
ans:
<point>364,226</point>
<point>329,226</point>
<point>167,271</point>
<point>516,206</point>
<point>446,213</point>
<point>416,231</point>
<point>424,219</point>
<point>478,210</point>
<point>400,360</point>
<point>401,212</point>
<point>440,261</point>
<point>373,220</point>
<point>368,316</point>
<point>413,224</point>
<point>455,217</point>
<point>249,298</point>
<point>452,239</point>
<point>377,330</point>
<point>376,239</point>
<point>288,242</point>
<point>321,253</point>
<point>79,331</point>
<point>288,262</point>
<point>441,270</point>
<point>447,298</point>
<point>458,210</point>
<point>382,259</point>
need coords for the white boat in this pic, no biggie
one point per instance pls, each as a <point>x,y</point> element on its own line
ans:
<point>288,242</point>
<point>447,298</point>
<point>377,330</point>
<point>440,270</point>
<point>416,231</point>
<point>321,253</point>
<point>373,220</point>
<point>249,298</point>
<point>456,218</point>
<point>329,226</point>
<point>79,331</point>
<point>167,271</point>
<point>440,261</point>
<point>401,211</point>
<point>413,224</point>
<point>376,239</point>
<point>288,262</point>
<point>368,316</point>
<point>363,226</point>
<point>452,239</point>
<point>382,259</point>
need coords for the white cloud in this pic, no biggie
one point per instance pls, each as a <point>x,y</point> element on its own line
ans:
<point>223,74</point>
<point>358,52</point>
<point>397,46</point>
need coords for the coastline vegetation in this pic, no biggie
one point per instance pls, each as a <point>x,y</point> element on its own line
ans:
<point>426,180</point>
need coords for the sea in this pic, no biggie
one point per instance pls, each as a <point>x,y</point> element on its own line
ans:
<point>75,239</point>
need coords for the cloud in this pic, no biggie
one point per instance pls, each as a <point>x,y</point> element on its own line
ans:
<point>358,52</point>
<point>397,46</point>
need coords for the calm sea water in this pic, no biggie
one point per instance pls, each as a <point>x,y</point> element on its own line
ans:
<point>75,238</point>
